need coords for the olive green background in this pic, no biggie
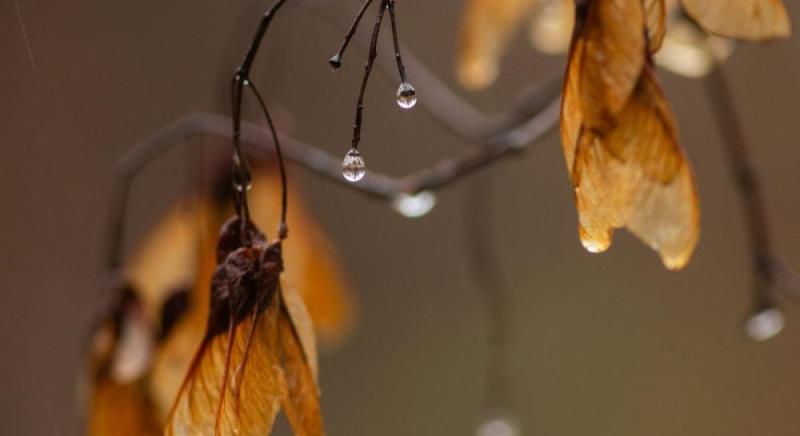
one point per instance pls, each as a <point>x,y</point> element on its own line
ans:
<point>601,344</point>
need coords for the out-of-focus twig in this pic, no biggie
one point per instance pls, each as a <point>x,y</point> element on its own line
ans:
<point>770,274</point>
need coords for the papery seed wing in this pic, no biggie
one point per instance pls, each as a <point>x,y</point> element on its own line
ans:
<point>656,16</point>
<point>234,385</point>
<point>754,20</point>
<point>612,57</point>
<point>302,325</point>
<point>486,29</point>
<point>175,353</point>
<point>312,263</point>
<point>636,176</point>
<point>551,26</point>
<point>166,258</point>
<point>121,409</point>
<point>301,398</point>
<point>119,357</point>
<point>571,107</point>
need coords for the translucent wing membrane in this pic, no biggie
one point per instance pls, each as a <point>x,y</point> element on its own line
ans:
<point>487,26</point>
<point>626,165</point>
<point>754,20</point>
<point>254,356</point>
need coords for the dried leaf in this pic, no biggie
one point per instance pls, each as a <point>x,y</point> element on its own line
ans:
<point>486,29</point>
<point>550,31</point>
<point>119,358</point>
<point>167,257</point>
<point>302,326</point>
<point>754,20</point>
<point>312,265</point>
<point>251,358</point>
<point>301,398</point>
<point>656,16</point>
<point>611,59</point>
<point>121,409</point>
<point>234,384</point>
<point>634,176</point>
<point>174,356</point>
<point>625,163</point>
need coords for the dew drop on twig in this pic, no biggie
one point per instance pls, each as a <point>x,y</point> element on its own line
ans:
<point>765,324</point>
<point>353,167</point>
<point>498,426</point>
<point>414,205</point>
<point>406,96</point>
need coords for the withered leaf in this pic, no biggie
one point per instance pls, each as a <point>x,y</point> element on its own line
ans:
<point>302,326</point>
<point>486,27</point>
<point>754,20</point>
<point>120,356</point>
<point>121,409</point>
<point>301,397</point>
<point>249,361</point>
<point>312,263</point>
<point>634,175</point>
<point>620,141</point>
<point>611,33</point>
<point>656,16</point>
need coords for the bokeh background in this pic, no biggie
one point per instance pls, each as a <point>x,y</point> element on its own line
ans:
<point>601,344</point>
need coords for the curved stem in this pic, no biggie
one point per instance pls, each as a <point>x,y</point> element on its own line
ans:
<point>283,229</point>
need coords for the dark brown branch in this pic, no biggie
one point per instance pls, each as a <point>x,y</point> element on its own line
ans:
<point>770,276</point>
<point>336,60</point>
<point>373,53</point>
<point>494,290</point>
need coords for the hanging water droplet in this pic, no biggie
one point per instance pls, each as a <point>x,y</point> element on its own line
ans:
<point>592,242</point>
<point>353,167</point>
<point>406,96</point>
<point>242,180</point>
<point>765,324</point>
<point>498,425</point>
<point>416,205</point>
<point>335,61</point>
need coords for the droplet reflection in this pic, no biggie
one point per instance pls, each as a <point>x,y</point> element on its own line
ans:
<point>353,167</point>
<point>765,324</point>
<point>416,205</point>
<point>406,96</point>
<point>498,426</point>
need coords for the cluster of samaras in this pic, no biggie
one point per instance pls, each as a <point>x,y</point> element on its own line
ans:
<point>617,129</point>
<point>170,359</point>
<point>226,364</point>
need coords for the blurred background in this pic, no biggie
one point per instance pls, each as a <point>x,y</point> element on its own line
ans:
<point>600,344</point>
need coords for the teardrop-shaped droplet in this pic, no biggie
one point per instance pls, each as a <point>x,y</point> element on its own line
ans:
<point>416,205</point>
<point>765,324</point>
<point>498,426</point>
<point>406,96</point>
<point>353,167</point>
<point>594,243</point>
<point>335,62</point>
<point>242,180</point>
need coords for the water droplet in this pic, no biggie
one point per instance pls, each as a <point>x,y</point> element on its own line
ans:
<point>406,96</point>
<point>594,246</point>
<point>498,426</point>
<point>353,167</point>
<point>416,205</point>
<point>765,324</point>
<point>335,61</point>
<point>592,243</point>
<point>242,181</point>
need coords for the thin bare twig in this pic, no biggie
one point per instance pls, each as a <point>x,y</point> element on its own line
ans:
<point>494,290</point>
<point>770,276</point>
